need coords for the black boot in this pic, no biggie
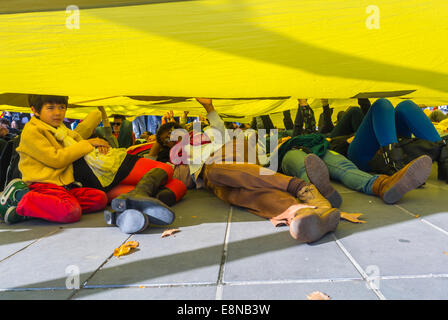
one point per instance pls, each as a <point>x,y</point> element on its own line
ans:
<point>128,221</point>
<point>167,197</point>
<point>142,198</point>
<point>443,164</point>
<point>393,157</point>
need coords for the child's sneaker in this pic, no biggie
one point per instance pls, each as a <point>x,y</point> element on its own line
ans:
<point>11,216</point>
<point>13,193</point>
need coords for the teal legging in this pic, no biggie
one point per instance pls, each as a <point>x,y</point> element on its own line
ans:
<point>383,124</point>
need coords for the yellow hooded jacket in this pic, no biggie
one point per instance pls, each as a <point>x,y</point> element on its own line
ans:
<point>44,159</point>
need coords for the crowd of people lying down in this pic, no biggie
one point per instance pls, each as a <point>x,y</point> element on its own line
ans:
<point>55,171</point>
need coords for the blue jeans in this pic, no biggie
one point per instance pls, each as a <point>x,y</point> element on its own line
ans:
<point>340,168</point>
<point>383,124</point>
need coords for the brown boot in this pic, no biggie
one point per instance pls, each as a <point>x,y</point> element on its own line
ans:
<point>309,226</point>
<point>311,196</point>
<point>317,172</point>
<point>392,188</point>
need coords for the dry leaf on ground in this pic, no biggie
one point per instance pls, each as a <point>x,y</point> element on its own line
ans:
<point>317,295</point>
<point>169,232</point>
<point>352,217</point>
<point>125,248</point>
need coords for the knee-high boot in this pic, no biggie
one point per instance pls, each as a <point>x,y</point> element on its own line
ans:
<point>142,198</point>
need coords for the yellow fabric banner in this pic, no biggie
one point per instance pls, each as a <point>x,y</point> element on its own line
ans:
<point>224,49</point>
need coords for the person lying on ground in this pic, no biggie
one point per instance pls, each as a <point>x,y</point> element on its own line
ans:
<point>277,197</point>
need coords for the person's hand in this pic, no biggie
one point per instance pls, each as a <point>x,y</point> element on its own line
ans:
<point>3,131</point>
<point>103,150</point>
<point>206,103</point>
<point>151,138</point>
<point>97,142</point>
<point>303,102</point>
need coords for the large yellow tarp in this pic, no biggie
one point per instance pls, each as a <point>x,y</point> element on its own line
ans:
<point>225,49</point>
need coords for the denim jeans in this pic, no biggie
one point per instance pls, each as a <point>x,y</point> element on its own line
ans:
<point>340,168</point>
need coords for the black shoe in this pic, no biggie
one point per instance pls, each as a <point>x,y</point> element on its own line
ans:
<point>394,158</point>
<point>157,212</point>
<point>128,221</point>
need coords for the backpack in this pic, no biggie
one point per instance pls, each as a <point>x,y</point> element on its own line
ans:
<point>12,170</point>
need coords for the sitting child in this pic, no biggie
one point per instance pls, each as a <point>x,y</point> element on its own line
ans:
<point>46,167</point>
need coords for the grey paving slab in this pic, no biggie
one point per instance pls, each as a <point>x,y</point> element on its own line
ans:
<point>396,242</point>
<point>164,293</point>
<point>85,245</point>
<point>426,201</point>
<point>415,289</point>
<point>16,237</point>
<point>36,295</point>
<point>259,251</point>
<point>191,256</point>
<point>350,290</point>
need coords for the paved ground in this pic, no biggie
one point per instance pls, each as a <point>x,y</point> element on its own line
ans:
<point>224,252</point>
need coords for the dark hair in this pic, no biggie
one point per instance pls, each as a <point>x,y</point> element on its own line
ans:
<point>166,127</point>
<point>38,100</point>
<point>5,121</point>
<point>119,116</point>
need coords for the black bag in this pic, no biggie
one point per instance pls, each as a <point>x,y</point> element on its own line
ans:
<point>414,148</point>
<point>340,144</point>
<point>13,171</point>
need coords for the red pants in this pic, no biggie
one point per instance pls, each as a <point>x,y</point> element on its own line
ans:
<point>55,203</point>
<point>142,166</point>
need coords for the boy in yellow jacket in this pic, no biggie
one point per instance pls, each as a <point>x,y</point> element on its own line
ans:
<point>46,167</point>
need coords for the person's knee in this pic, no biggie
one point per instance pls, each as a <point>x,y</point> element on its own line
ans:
<point>69,214</point>
<point>293,162</point>
<point>406,106</point>
<point>100,200</point>
<point>382,103</point>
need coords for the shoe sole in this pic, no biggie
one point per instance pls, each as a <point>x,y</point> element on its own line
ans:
<point>7,191</point>
<point>8,212</point>
<point>158,213</point>
<point>416,174</point>
<point>307,226</point>
<point>317,172</point>
<point>132,221</point>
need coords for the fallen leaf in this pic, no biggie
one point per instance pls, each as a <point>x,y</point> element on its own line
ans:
<point>125,248</point>
<point>169,232</point>
<point>194,216</point>
<point>352,217</point>
<point>317,295</point>
<point>417,215</point>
